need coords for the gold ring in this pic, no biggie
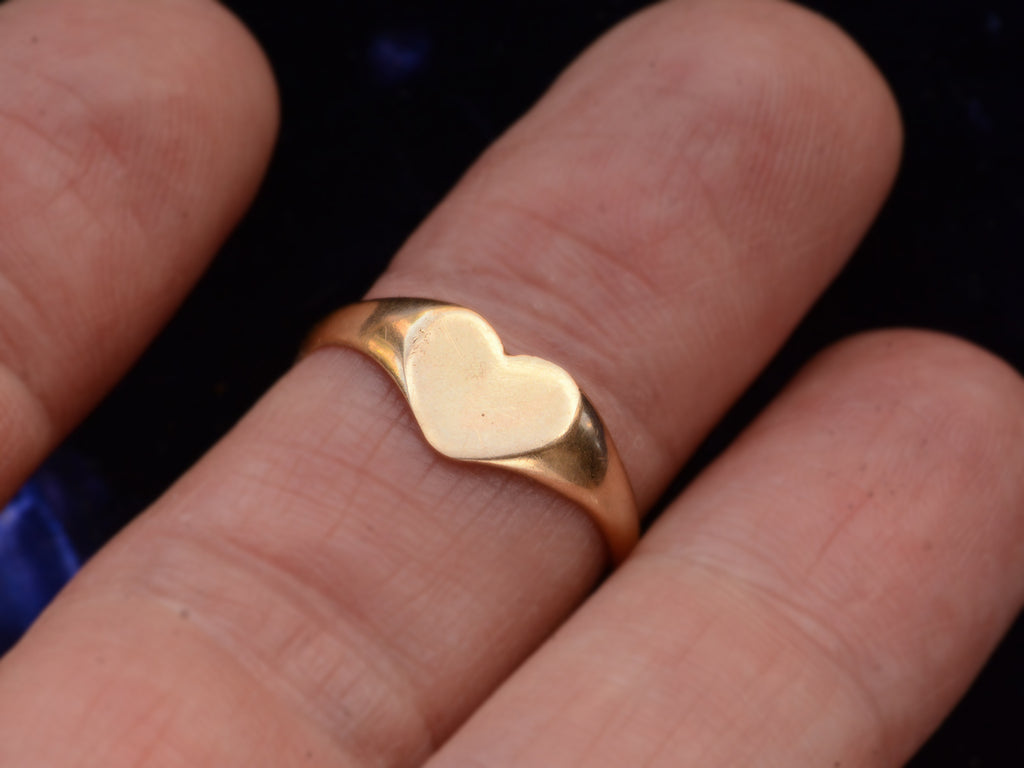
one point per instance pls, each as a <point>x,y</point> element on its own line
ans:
<point>474,403</point>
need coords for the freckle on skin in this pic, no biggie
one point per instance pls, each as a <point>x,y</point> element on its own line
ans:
<point>184,613</point>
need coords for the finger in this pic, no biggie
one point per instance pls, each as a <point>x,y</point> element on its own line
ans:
<point>131,140</point>
<point>821,596</point>
<point>334,571</point>
<point>703,212</point>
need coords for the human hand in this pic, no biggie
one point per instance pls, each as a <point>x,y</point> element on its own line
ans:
<point>322,589</point>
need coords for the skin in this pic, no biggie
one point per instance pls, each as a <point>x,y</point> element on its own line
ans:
<point>322,589</point>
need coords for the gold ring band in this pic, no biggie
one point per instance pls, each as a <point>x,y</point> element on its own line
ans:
<point>475,403</point>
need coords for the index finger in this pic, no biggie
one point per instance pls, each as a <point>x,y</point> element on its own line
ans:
<point>131,141</point>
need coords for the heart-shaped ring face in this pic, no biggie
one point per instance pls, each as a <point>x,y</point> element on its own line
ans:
<point>473,401</point>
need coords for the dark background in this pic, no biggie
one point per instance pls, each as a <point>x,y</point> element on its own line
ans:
<point>386,103</point>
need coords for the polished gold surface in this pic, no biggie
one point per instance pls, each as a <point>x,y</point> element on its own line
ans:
<point>475,403</point>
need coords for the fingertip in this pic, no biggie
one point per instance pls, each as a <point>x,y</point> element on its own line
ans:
<point>785,94</point>
<point>231,65</point>
<point>161,98</point>
<point>132,137</point>
<point>970,395</point>
<point>824,127</point>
